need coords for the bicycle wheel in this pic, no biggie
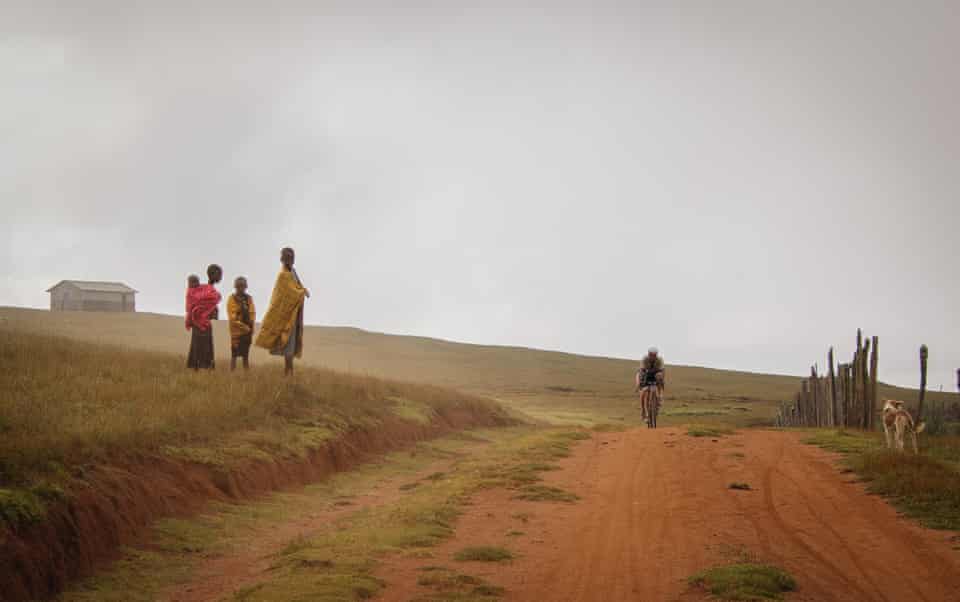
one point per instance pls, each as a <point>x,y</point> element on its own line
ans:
<point>653,407</point>
<point>649,401</point>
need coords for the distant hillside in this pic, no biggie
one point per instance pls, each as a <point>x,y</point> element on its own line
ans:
<point>558,386</point>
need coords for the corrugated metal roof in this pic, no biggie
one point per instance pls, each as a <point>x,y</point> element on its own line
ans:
<point>93,285</point>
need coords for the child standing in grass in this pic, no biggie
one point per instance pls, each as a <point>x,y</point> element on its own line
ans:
<point>242,315</point>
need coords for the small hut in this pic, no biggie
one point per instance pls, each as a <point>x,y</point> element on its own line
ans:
<point>84,295</point>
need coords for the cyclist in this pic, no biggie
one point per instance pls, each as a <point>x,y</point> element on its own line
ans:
<point>651,373</point>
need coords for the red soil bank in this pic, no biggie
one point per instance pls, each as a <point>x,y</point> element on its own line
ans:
<point>119,500</point>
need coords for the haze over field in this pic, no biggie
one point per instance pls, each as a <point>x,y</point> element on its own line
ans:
<point>741,185</point>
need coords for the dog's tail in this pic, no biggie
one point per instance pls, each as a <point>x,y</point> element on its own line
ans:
<point>920,427</point>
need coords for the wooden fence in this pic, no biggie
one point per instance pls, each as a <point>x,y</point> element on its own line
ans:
<point>845,396</point>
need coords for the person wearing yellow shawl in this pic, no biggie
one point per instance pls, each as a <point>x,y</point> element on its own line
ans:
<point>242,315</point>
<point>282,330</point>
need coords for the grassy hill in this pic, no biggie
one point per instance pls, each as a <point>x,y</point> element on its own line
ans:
<point>99,440</point>
<point>559,387</point>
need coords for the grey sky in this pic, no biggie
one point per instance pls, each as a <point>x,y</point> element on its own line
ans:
<point>740,183</point>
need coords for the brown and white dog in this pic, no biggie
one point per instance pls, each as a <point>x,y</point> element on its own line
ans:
<point>896,421</point>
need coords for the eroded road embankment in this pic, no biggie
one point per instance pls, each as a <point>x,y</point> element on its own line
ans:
<point>656,507</point>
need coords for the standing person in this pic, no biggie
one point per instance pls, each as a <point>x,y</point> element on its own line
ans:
<point>202,304</point>
<point>242,315</point>
<point>282,329</point>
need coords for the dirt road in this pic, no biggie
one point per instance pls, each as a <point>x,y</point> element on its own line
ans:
<point>656,507</point>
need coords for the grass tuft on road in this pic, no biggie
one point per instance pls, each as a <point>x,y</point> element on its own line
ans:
<point>448,585</point>
<point>545,493</point>
<point>483,554</point>
<point>745,581</point>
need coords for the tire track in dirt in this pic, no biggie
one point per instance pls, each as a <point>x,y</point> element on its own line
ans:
<point>785,529</point>
<point>838,537</point>
<point>222,575</point>
<point>656,508</point>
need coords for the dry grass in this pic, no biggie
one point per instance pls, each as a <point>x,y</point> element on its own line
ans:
<point>925,487</point>
<point>483,554</point>
<point>65,403</point>
<point>560,388</point>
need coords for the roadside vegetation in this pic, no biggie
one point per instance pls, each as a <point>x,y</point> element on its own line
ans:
<point>67,405</point>
<point>329,566</point>
<point>339,563</point>
<point>925,487</point>
<point>483,554</point>
<point>447,585</point>
<point>745,581</point>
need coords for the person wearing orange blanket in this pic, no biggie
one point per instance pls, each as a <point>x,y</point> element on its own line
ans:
<point>281,332</point>
<point>242,315</point>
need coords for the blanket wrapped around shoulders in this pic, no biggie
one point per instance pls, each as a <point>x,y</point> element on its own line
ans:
<point>202,301</point>
<point>282,314</point>
<point>241,322</point>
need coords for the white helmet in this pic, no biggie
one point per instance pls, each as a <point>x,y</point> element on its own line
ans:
<point>653,351</point>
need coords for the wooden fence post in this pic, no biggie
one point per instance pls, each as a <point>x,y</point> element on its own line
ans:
<point>924,352</point>
<point>874,359</point>
<point>833,389</point>
<point>848,393</point>
<point>813,396</point>
<point>865,379</point>
<point>841,415</point>
<point>802,403</point>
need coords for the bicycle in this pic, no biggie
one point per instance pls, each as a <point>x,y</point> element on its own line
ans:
<point>650,400</point>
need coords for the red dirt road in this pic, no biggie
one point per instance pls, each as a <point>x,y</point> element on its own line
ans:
<point>656,508</point>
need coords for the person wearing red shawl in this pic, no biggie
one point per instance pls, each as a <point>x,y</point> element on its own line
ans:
<point>202,301</point>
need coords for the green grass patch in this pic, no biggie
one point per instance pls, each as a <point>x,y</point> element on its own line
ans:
<point>845,442</point>
<point>411,410</point>
<point>20,507</point>
<point>545,493</point>
<point>745,581</point>
<point>483,554</point>
<point>448,585</point>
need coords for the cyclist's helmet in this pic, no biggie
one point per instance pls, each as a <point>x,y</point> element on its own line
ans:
<point>653,351</point>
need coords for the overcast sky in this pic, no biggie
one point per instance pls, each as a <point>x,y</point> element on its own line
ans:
<point>739,183</point>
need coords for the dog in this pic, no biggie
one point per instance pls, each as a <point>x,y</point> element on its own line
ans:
<point>896,421</point>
